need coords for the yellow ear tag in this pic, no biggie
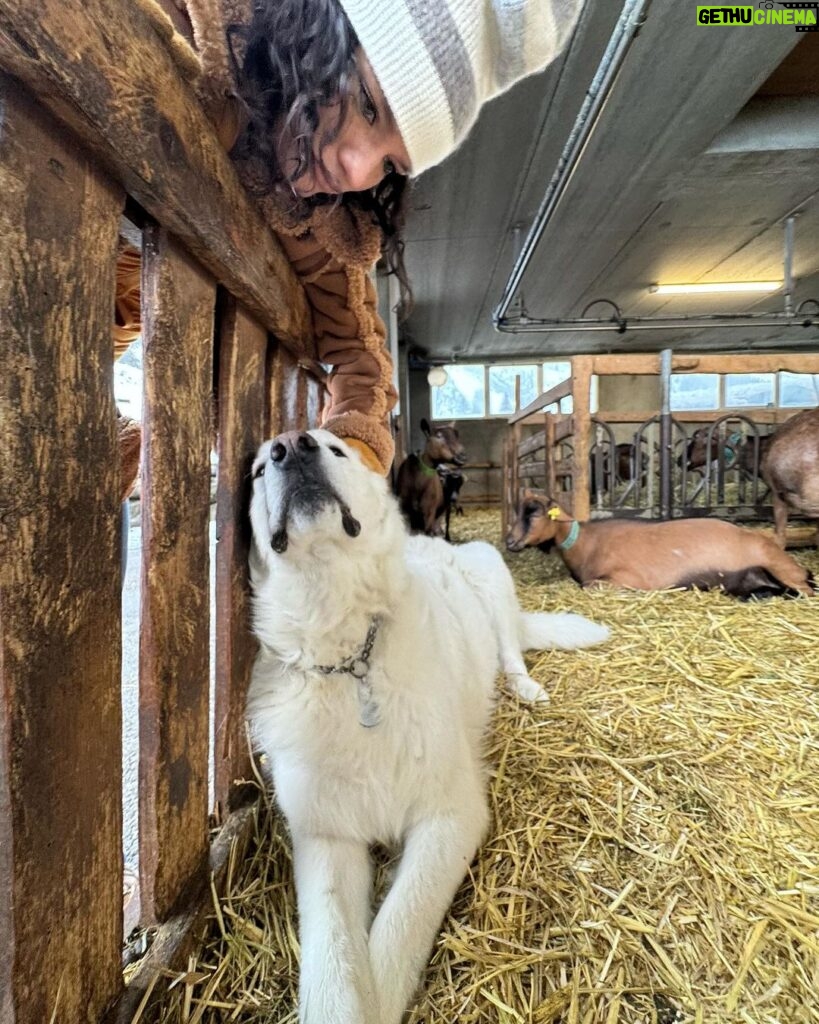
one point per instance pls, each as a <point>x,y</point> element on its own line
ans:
<point>553,512</point>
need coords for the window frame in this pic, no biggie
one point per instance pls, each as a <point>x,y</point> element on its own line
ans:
<point>486,368</point>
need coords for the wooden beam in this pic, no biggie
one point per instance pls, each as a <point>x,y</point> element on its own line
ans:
<point>283,391</point>
<point>176,938</point>
<point>178,300</point>
<point>103,71</point>
<point>242,427</point>
<point>550,439</point>
<point>644,364</point>
<point>315,401</point>
<point>581,388</point>
<point>562,390</point>
<point>768,416</point>
<point>531,444</point>
<point>60,575</point>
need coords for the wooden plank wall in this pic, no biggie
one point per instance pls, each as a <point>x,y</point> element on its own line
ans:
<point>60,759</point>
<point>243,424</point>
<point>148,129</point>
<point>64,190</point>
<point>178,301</point>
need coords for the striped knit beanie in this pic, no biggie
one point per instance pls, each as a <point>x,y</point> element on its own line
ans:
<point>439,61</point>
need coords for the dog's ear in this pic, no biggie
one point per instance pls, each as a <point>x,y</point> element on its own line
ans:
<point>425,427</point>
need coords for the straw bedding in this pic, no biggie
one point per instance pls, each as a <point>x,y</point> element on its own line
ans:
<point>654,855</point>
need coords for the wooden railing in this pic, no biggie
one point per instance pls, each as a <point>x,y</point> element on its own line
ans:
<point>96,117</point>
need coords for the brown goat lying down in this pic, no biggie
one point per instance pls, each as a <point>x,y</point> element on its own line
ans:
<point>689,553</point>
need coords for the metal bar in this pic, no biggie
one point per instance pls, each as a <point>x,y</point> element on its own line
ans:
<point>530,325</point>
<point>601,85</point>
<point>665,433</point>
<point>788,265</point>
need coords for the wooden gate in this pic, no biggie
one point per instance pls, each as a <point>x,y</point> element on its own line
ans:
<point>96,123</point>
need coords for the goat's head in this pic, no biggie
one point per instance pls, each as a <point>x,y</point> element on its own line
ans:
<point>696,450</point>
<point>535,521</point>
<point>699,453</point>
<point>310,486</point>
<point>443,444</point>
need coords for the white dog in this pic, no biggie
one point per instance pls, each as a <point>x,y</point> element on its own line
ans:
<point>370,696</point>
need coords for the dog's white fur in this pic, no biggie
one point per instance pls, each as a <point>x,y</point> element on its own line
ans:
<point>449,619</point>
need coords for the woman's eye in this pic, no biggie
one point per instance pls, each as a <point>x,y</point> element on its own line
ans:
<point>338,452</point>
<point>368,107</point>
<point>259,472</point>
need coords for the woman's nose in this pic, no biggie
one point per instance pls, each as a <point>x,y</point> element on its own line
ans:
<point>363,166</point>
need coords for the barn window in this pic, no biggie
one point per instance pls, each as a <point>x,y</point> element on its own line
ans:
<point>798,389</point>
<point>502,388</point>
<point>749,389</point>
<point>695,391</point>
<point>463,396</point>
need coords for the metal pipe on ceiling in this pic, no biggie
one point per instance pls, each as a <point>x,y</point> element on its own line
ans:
<point>522,323</point>
<point>631,17</point>
<point>630,20</point>
<point>527,325</point>
<point>788,265</point>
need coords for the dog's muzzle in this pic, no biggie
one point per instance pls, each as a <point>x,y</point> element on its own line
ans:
<point>296,459</point>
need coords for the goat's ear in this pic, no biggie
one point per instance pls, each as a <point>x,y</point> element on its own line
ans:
<point>425,427</point>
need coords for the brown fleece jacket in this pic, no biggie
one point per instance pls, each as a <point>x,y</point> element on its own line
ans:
<point>332,252</point>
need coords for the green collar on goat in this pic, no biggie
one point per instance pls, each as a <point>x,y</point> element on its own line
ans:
<point>425,469</point>
<point>571,538</point>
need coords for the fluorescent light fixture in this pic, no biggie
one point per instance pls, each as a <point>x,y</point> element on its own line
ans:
<point>727,286</point>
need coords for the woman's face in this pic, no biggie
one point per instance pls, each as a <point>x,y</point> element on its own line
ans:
<point>366,147</point>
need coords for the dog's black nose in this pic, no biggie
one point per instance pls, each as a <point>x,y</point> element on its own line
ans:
<point>291,446</point>
<point>306,442</point>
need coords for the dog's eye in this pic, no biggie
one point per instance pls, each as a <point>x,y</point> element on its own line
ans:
<point>338,452</point>
<point>259,472</point>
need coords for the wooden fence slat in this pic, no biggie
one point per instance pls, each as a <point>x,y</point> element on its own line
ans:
<point>581,384</point>
<point>103,70</point>
<point>178,310</point>
<point>302,401</point>
<point>549,438</point>
<point>283,391</point>
<point>60,624</point>
<point>315,401</point>
<point>242,427</point>
<point>506,494</point>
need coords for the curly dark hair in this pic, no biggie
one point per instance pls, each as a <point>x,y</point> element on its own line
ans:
<point>299,55</point>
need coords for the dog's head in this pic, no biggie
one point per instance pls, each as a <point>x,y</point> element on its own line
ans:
<point>311,487</point>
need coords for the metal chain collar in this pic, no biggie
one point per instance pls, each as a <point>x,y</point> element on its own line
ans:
<point>358,666</point>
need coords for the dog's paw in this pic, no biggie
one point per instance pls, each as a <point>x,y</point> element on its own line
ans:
<point>526,688</point>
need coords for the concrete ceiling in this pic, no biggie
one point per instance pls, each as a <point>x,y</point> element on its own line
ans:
<point>708,140</point>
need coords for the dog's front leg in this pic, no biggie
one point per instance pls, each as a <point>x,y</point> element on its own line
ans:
<point>334,896</point>
<point>436,856</point>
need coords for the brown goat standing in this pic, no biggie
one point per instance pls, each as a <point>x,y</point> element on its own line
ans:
<point>418,484</point>
<point>688,553</point>
<point>791,469</point>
